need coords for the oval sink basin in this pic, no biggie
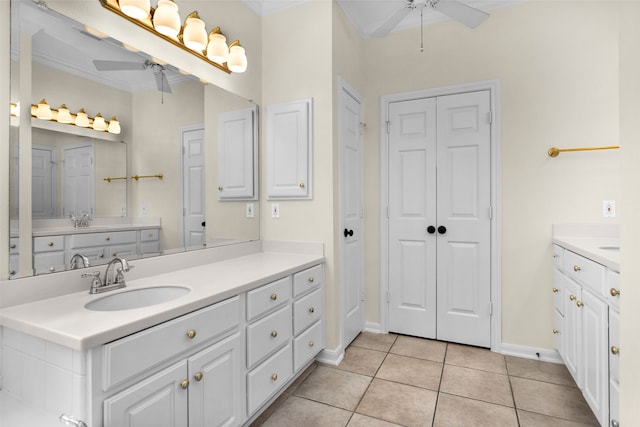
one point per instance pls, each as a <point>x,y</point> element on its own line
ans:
<point>137,298</point>
<point>610,248</point>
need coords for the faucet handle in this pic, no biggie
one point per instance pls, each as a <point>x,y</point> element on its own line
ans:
<point>95,281</point>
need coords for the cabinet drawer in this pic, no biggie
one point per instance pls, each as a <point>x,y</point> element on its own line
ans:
<point>558,251</point>
<point>558,291</point>
<point>100,239</point>
<point>123,251</point>
<point>613,289</point>
<point>150,248</point>
<point>124,358</point>
<point>614,341</point>
<point>307,345</point>
<point>267,378</point>
<point>268,297</point>
<point>48,262</point>
<point>585,271</point>
<point>307,310</point>
<point>48,243</point>
<point>267,334</point>
<point>310,278</point>
<point>14,245</point>
<point>149,235</point>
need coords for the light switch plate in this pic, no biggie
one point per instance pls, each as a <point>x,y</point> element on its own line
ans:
<point>609,208</point>
<point>250,213</point>
<point>275,210</point>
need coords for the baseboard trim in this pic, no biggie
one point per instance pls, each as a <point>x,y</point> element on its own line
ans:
<point>542,354</point>
<point>373,328</point>
<point>331,357</point>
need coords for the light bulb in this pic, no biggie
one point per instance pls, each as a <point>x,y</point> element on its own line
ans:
<point>195,35</point>
<point>82,120</point>
<point>99,123</point>
<point>64,116</point>
<point>114,126</point>
<point>166,19</point>
<point>237,62</point>
<point>43,111</point>
<point>138,9</point>
<point>217,49</point>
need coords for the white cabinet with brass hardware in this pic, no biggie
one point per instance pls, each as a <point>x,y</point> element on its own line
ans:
<point>48,254</point>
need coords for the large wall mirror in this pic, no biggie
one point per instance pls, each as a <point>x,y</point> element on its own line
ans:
<point>152,189</point>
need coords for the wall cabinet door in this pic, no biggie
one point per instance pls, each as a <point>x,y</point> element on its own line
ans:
<point>237,155</point>
<point>159,401</point>
<point>289,132</point>
<point>572,341</point>
<point>215,389</point>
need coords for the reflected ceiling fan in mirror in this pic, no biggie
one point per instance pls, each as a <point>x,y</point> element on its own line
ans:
<point>158,70</point>
<point>454,9</point>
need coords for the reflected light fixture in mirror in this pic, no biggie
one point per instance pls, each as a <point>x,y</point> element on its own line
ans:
<point>114,126</point>
<point>82,119</point>
<point>64,115</point>
<point>43,112</point>
<point>99,123</point>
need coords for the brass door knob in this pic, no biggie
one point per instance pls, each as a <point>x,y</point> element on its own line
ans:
<point>555,331</point>
<point>108,238</point>
<point>614,349</point>
<point>572,297</point>
<point>184,384</point>
<point>312,310</point>
<point>311,279</point>
<point>614,292</point>
<point>555,290</point>
<point>274,297</point>
<point>274,333</point>
<point>191,333</point>
<point>198,376</point>
<point>579,303</point>
<point>576,268</point>
<point>274,377</point>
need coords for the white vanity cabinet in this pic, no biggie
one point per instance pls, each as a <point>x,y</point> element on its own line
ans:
<point>103,245</point>
<point>582,326</point>
<point>48,254</point>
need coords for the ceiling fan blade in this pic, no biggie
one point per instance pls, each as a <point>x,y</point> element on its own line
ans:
<point>161,82</point>
<point>462,13</point>
<point>392,22</point>
<point>105,65</point>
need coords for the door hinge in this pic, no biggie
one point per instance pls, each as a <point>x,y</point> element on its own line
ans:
<point>490,212</point>
<point>388,297</point>
<point>490,308</point>
<point>388,215</point>
<point>490,116</point>
<point>388,126</point>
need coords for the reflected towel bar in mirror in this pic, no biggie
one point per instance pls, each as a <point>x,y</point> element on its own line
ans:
<point>137,177</point>
<point>109,179</point>
<point>553,151</point>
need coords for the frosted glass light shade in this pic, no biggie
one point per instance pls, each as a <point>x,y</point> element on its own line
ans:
<point>114,126</point>
<point>43,111</point>
<point>15,110</point>
<point>64,116</point>
<point>82,120</point>
<point>138,9</point>
<point>99,123</point>
<point>195,35</point>
<point>237,62</point>
<point>166,19</point>
<point>217,49</point>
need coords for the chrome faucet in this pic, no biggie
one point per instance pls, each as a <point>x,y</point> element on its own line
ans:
<point>110,282</point>
<point>73,264</point>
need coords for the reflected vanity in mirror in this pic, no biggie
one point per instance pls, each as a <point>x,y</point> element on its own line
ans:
<point>181,174</point>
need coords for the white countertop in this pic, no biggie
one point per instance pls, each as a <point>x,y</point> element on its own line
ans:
<point>592,241</point>
<point>65,321</point>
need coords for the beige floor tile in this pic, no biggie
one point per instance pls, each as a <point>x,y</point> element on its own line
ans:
<point>551,399</point>
<point>359,420</point>
<point>420,348</point>
<point>529,419</point>
<point>297,412</point>
<point>362,360</point>
<point>398,403</point>
<point>455,411</point>
<point>303,376</point>
<point>476,358</point>
<point>411,371</point>
<point>380,342</point>
<point>476,384</point>
<point>334,387</point>
<point>555,373</point>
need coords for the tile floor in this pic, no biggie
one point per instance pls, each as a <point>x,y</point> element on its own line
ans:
<point>395,380</point>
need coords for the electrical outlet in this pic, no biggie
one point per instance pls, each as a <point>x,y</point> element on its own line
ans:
<point>275,210</point>
<point>250,210</point>
<point>609,208</point>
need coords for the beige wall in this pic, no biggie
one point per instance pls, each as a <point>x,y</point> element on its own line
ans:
<point>557,64</point>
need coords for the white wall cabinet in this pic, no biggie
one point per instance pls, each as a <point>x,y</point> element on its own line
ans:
<point>584,328</point>
<point>289,131</point>
<point>237,155</point>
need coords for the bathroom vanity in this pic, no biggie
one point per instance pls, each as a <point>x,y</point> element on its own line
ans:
<point>216,353</point>
<point>586,293</point>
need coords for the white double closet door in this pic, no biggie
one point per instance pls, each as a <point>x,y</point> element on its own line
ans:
<point>440,218</point>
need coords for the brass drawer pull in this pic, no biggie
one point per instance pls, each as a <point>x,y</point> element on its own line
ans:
<point>576,268</point>
<point>311,344</point>
<point>274,334</point>
<point>50,244</point>
<point>311,279</point>
<point>312,310</point>
<point>191,333</point>
<point>13,246</point>
<point>579,303</point>
<point>198,376</point>
<point>108,238</point>
<point>555,290</point>
<point>184,384</point>
<point>274,297</point>
<point>274,377</point>
<point>614,349</point>
<point>220,188</point>
<point>301,185</point>
<point>614,292</point>
<point>572,297</point>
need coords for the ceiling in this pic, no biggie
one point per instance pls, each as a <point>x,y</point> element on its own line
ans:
<point>368,15</point>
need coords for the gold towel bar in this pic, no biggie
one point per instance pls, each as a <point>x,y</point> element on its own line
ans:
<point>137,177</point>
<point>109,179</point>
<point>553,151</point>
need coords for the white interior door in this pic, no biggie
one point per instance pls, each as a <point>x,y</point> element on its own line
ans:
<point>352,216</point>
<point>412,209</point>
<point>193,187</point>
<point>439,218</point>
<point>43,182</point>
<point>464,203</point>
<point>78,180</point>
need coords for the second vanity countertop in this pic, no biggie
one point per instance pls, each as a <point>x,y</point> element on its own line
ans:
<point>597,242</point>
<point>64,319</point>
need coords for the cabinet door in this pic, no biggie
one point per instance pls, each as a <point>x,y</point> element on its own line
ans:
<point>572,336</point>
<point>595,350</point>
<point>237,155</point>
<point>215,388</point>
<point>158,401</point>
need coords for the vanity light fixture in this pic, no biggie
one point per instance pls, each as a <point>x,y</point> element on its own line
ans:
<point>99,123</point>
<point>164,22</point>
<point>82,119</point>
<point>43,112</point>
<point>64,115</point>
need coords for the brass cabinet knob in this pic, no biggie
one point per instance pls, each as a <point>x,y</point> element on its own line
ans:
<point>614,349</point>
<point>614,292</point>
<point>184,384</point>
<point>312,310</point>
<point>108,238</point>
<point>576,268</point>
<point>198,376</point>
<point>311,279</point>
<point>220,188</point>
<point>274,377</point>
<point>191,333</point>
<point>13,246</point>
<point>274,297</point>
<point>579,303</point>
<point>52,269</point>
<point>555,331</point>
<point>50,244</point>
<point>572,297</point>
<point>301,185</point>
<point>274,333</point>
<point>150,235</point>
<point>555,290</point>
<point>311,344</point>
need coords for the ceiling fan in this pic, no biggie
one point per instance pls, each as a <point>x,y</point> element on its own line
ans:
<point>456,10</point>
<point>158,70</point>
